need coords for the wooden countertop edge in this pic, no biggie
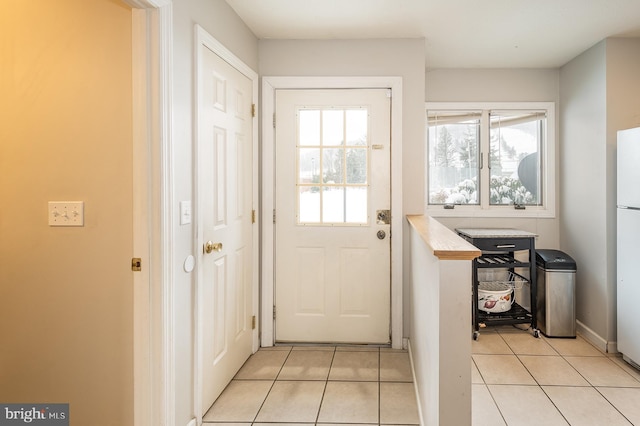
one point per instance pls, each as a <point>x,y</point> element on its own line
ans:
<point>444,243</point>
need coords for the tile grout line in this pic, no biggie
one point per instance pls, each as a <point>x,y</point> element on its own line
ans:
<point>564,357</point>
<point>537,384</point>
<point>271,387</point>
<point>611,403</point>
<point>326,382</point>
<point>379,393</point>
<point>493,398</point>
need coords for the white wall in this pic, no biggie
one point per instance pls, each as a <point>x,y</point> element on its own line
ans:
<point>583,182</point>
<point>623,88</point>
<point>404,58</point>
<point>492,85</point>
<point>623,112</point>
<point>499,85</point>
<point>440,309</point>
<point>600,95</point>
<point>217,18</point>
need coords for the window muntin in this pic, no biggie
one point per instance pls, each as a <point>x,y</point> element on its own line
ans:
<point>333,166</point>
<point>514,174</point>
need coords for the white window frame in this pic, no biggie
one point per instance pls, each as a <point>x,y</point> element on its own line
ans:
<point>547,209</point>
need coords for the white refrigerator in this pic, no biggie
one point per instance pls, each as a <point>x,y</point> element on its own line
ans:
<point>628,244</point>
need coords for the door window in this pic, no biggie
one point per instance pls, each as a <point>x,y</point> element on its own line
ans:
<point>332,166</point>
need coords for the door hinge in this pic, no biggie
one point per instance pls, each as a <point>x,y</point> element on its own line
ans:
<point>136,264</point>
<point>274,216</point>
<point>253,322</point>
<point>253,216</point>
<point>274,311</point>
<point>274,120</point>
<point>253,110</point>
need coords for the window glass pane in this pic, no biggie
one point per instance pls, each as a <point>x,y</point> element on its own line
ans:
<point>453,150</point>
<point>333,165</point>
<point>516,140</point>
<point>309,127</point>
<point>308,165</point>
<point>333,205</point>
<point>357,127</point>
<point>357,165</point>
<point>332,127</point>
<point>357,204</point>
<point>308,204</point>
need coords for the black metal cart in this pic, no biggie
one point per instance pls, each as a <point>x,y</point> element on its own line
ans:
<point>504,249</point>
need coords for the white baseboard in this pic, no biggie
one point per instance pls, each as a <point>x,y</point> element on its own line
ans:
<point>595,339</point>
<point>193,422</point>
<point>407,344</point>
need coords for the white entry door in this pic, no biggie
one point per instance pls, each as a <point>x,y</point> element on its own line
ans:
<point>225,170</point>
<point>332,220</point>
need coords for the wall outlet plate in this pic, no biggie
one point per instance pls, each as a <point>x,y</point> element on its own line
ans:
<point>66,213</point>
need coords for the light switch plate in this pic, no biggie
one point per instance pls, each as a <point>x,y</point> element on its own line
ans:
<point>66,213</point>
<point>185,212</point>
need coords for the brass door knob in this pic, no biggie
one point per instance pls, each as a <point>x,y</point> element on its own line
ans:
<point>210,246</point>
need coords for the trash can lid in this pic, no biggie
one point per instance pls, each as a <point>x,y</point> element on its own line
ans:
<point>555,259</point>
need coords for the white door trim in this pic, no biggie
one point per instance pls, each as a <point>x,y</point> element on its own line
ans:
<point>202,37</point>
<point>153,357</point>
<point>269,86</point>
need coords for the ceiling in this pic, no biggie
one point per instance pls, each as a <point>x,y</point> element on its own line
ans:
<point>457,33</point>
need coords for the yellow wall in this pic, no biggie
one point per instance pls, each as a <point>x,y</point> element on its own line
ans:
<point>66,313</point>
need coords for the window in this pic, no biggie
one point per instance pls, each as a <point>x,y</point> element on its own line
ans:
<point>332,172</point>
<point>490,159</point>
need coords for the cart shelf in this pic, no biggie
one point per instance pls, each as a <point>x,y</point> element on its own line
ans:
<point>499,261</point>
<point>516,315</point>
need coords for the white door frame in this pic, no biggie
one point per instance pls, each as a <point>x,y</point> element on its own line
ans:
<point>153,216</point>
<point>269,86</point>
<point>202,37</point>
<point>153,353</point>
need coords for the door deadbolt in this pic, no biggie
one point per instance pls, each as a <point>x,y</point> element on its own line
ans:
<point>383,217</point>
<point>381,234</point>
<point>211,246</point>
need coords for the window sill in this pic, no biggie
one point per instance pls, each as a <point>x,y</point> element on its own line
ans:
<point>507,212</point>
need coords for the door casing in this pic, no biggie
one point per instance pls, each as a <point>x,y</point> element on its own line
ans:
<point>269,86</point>
<point>153,216</point>
<point>153,357</point>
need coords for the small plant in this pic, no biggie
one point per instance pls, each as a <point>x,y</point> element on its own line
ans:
<point>504,190</point>
<point>508,190</point>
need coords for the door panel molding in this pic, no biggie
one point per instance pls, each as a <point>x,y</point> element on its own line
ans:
<point>269,87</point>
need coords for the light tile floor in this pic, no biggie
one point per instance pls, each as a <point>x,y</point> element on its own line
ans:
<point>320,385</point>
<point>520,380</point>
<point>516,380</point>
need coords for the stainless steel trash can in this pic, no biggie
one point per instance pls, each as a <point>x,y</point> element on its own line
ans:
<point>556,293</point>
